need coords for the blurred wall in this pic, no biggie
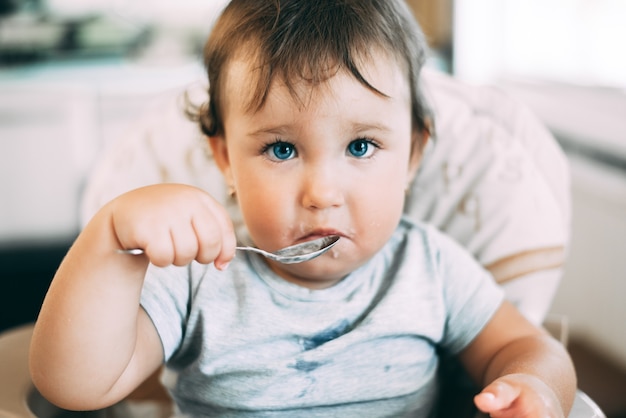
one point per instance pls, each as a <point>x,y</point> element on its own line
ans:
<point>589,124</point>
<point>593,290</point>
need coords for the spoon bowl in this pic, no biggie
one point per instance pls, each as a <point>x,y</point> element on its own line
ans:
<point>298,253</point>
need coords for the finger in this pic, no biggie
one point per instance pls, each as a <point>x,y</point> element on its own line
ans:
<point>222,221</point>
<point>185,243</point>
<point>229,243</point>
<point>160,249</point>
<point>209,238</point>
<point>496,396</point>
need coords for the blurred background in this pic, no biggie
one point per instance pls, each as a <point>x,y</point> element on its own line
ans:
<point>74,74</point>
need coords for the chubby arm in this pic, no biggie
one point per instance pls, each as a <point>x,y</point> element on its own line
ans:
<point>526,373</point>
<point>93,343</point>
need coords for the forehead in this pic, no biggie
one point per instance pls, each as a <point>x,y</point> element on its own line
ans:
<point>241,84</point>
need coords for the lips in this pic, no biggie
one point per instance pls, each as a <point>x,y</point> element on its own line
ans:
<point>319,233</point>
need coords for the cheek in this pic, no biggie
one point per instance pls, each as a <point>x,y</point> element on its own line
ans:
<point>385,201</point>
<point>265,211</point>
<point>380,203</point>
<point>391,180</point>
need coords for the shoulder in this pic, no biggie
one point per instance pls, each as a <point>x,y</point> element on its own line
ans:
<point>423,248</point>
<point>420,236</point>
<point>465,292</point>
<point>177,298</point>
<point>188,284</point>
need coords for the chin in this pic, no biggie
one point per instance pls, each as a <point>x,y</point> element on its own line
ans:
<point>322,272</point>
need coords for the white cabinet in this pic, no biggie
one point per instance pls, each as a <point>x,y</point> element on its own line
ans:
<point>45,133</point>
<point>53,122</point>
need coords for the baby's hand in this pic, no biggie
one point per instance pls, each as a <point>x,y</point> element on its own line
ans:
<point>518,395</point>
<point>174,224</point>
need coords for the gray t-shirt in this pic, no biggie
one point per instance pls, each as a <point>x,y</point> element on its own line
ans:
<point>244,342</point>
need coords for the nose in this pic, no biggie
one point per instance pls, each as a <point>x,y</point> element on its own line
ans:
<point>322,188</point>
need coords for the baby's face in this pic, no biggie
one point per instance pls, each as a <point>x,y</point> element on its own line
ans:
<point>338,162</point>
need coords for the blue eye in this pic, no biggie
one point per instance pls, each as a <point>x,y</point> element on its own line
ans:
<point>361,148</point>
<point>281,150</point>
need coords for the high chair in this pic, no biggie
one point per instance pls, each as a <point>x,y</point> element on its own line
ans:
<point>493,178</point>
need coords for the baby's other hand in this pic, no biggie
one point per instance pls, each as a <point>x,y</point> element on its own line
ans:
<point>174,224</point>
<point>518,395</point>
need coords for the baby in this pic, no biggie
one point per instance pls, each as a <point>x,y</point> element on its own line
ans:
<point>317,122</point>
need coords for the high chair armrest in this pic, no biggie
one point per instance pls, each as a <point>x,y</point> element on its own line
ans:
<point>585,407</point>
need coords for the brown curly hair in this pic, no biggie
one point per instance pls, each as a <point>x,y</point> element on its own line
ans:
<point>310,41</point>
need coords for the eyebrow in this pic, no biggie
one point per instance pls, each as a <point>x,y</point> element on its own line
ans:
<point>361,127</point>
<point>357,127</point>
<point>264,130</point>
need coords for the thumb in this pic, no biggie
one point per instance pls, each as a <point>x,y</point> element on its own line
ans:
<point>497,396</point>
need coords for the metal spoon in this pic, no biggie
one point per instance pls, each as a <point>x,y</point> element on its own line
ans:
<point>298,253</point>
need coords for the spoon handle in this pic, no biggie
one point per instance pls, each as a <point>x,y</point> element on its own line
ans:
<point>139,251</point>
<point>293,254</point>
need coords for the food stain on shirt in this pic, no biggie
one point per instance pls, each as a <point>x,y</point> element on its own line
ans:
<point>326,335</point>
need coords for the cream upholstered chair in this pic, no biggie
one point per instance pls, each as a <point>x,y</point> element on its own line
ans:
<point>494,179</point>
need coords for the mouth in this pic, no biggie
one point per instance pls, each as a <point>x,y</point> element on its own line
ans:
<point>319,233</point>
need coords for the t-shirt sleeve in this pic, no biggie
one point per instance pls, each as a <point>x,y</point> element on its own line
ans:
<point>470,294</point>
<point>165,298</point>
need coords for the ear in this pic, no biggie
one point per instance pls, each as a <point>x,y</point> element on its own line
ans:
<point>419,139</point>
<point>219,149</point>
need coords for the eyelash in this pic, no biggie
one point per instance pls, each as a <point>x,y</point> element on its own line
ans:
<point>368,141</point>
<point>267,148</point>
